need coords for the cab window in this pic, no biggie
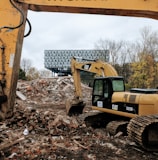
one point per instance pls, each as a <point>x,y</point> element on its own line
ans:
<point>118,85</point>
<point>98,87</point>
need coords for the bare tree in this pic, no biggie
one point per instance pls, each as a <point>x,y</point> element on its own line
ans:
<point>25,65</point>
<point>145,68</point>
<point>131,52</point>
<point>33,73</point>
<point>114,48</point>
<point>119,57</point>
<point>45,73</point>
<point>149,42</point>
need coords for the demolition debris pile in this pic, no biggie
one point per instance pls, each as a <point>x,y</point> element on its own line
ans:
<point>51,92</point>
<point>40,128</point>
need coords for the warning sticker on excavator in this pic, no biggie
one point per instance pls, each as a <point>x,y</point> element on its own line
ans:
<point>86,66</point>
<point>99,104</point>
<point>114,106</point>
<point>129,108</point>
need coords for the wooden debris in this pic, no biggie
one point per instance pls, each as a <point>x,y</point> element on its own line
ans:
<point>118,134</point>
<point>20,95</point>
<point>40,108</point>
<point>9,144</point>
<point>76,142</point>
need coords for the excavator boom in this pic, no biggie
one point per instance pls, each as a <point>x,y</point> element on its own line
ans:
<point>137,8</point>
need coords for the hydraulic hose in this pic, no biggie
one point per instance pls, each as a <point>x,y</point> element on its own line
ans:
<point>22,20</point>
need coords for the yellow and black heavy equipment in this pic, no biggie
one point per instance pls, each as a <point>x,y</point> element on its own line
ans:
<point>138,107</point>
<point>13,17</point>
<point>98,67</point>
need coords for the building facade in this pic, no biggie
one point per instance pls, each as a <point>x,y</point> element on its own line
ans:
<point>58,61</point>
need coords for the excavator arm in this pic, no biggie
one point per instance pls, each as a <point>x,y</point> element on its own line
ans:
<point>12,25</point>
<point>100,68</point>
<point>138,8</point>
<point>13,17</point>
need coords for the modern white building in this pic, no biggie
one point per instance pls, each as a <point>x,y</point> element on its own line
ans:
<point>58,61</point>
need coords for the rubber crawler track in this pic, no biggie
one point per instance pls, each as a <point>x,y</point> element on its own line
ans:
<point>137,130</point>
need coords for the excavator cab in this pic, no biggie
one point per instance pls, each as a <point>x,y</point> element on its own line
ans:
<point>103,89</point>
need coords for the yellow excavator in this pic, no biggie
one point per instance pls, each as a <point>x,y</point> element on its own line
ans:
<point>13,19</point>
<point>78,64</point>
<point>137,108</point>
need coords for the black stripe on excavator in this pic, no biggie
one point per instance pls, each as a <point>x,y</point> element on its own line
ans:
<point>124,107</point>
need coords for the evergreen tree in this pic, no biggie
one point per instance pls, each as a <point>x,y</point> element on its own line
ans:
<point>22,74</point>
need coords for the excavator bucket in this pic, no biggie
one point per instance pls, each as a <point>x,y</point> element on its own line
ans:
<point>74,107</point>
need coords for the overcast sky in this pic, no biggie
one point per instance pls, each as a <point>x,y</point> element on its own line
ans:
<point>77,31</point>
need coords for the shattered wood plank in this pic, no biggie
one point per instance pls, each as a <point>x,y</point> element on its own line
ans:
<point>63,146</point>
<point>9,144</point>
<point>76,142</point>
<point>20,95</point>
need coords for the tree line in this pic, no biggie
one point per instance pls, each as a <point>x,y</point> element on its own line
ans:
<point>136,61</point>
<point>28,72</point>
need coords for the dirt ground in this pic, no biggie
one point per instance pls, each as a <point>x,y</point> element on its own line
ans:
<point>41,130</point>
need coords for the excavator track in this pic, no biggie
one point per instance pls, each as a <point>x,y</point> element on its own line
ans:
<point>144,131</point>
<point>114,127</point>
